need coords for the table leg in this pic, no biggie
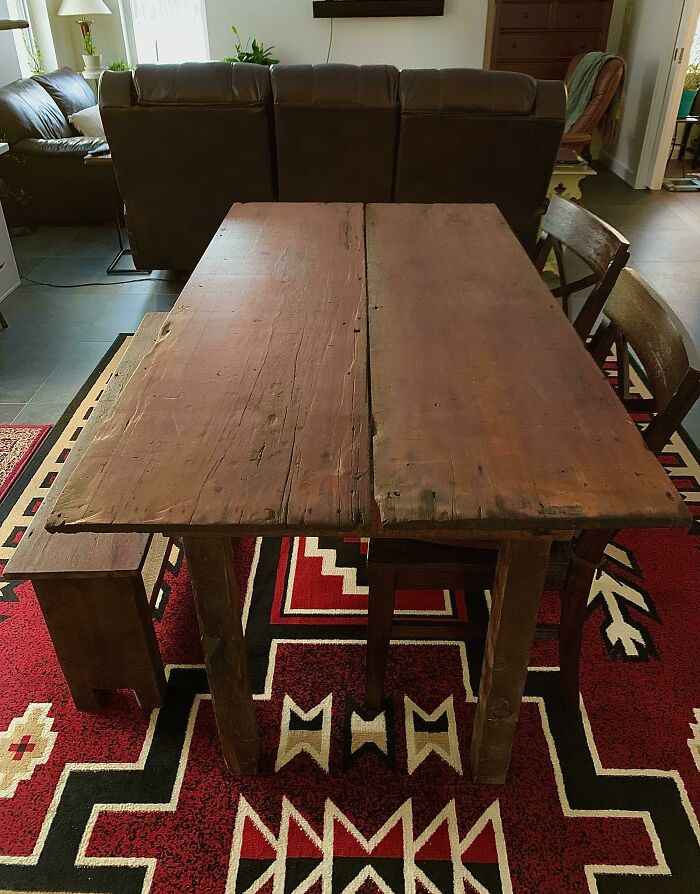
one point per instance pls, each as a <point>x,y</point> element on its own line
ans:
<point>515,600</point>
<point>210,563</point>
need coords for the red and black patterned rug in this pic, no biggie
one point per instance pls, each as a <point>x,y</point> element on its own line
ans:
<point>17,446</point>
<point>118,802</point>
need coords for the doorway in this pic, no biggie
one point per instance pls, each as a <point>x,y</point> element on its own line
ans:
<point>663,119</point>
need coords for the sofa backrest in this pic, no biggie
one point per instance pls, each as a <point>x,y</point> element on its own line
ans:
<point>70,91</point>
<point>480,136</point>
<point>27,111</point>
<point>190,140</point>
<point>187,142</point>
<point>336,129</point>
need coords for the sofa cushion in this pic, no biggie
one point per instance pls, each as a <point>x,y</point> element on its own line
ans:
<point>65,147</point>
<point>336,128</point>
<point>70,91</point>
<point>88,122</point>
<point>480,136</point>
<point>182,162</point>
<point>202,83</point>
<point>27,110</point>
<point>467,90</point>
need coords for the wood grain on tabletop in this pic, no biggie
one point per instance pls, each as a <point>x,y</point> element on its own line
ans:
<point>488,412</point>
<point>40,554</point>
<point>251,412</point>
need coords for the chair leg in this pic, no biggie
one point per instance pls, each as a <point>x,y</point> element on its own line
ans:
<point>587,558</point>
<point>382,596</point>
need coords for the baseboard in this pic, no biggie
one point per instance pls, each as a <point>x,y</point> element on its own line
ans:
<point>617,167</point>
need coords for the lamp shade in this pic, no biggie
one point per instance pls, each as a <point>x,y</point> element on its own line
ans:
<point>84,8</point>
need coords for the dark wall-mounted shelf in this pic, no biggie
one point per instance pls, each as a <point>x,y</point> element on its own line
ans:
<point>355,9</point>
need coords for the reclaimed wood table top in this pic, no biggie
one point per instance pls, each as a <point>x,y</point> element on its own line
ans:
<point>252,413</point>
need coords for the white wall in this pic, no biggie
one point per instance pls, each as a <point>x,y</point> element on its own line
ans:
<point>455,39</point>
<point>644,32</point>
<point>9,66</point>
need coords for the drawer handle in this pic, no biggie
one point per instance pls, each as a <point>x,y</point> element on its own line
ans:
<point>514,46</point>
<point>526,15</point>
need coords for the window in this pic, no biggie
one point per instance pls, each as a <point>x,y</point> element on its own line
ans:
<point>28,53</point>
<point>165,30</point>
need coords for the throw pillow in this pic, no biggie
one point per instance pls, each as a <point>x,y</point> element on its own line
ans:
<point>88,122</point>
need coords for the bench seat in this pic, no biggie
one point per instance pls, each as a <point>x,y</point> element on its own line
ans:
<point>96,591</point>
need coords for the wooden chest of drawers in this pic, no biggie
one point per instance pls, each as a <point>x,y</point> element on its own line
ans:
<point>541,37</point>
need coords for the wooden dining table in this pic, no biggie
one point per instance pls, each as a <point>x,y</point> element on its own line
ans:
<point>384,371</point>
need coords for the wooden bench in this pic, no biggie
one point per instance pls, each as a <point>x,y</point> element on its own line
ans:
<point>96,591</point>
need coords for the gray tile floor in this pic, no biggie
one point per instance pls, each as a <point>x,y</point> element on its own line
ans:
<point>57,336</point>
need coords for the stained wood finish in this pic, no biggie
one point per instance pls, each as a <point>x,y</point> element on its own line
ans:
<point>217,599</point>
<point>102,632</point>
<point>540,37</point>
<point>40,554</point>
<point>250,414</point>
<point>515,600</point>
<point>567,226</point>
<point>637,316</point>
<point>488,412</point>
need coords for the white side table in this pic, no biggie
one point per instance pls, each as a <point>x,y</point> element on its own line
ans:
<point>9,275</point>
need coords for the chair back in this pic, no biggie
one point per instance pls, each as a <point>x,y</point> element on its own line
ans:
<point>469,135</point>
<point>606,86</point>
<point>602,249</point>
<point>638,318</point>
<point>336,129</point>
<point>187,142</point>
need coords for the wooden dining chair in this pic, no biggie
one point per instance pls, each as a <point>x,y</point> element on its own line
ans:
<point>568,226</point>
<point>636,318</point>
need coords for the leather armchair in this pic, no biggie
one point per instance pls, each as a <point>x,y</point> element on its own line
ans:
<point>43,178</point>
<point>610,77</point>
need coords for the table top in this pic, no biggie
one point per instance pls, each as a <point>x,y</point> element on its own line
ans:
<point>252,413</point>
<point>488,410</point>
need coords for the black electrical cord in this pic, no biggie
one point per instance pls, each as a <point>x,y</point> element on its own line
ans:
<point>80,285</point>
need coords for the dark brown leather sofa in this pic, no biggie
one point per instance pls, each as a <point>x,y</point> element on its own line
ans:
<point>43,178</point>
<point>190,140</point>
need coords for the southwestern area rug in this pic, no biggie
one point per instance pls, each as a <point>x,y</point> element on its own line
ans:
<point>17,446</point>
<point>119,802</point>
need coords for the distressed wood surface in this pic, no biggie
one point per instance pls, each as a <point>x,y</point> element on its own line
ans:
<point>488,412</point>
<point>250,415</point>
<point>40,554</point>
<point>515,600</point>
<point>217,600</point>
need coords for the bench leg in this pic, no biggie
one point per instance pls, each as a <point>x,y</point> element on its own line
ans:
<point>380,613</point>
<point>515,600</point>
<point>216,597</point>
<point>102,632</point>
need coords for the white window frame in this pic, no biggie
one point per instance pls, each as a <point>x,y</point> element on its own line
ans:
<point>130,38</point>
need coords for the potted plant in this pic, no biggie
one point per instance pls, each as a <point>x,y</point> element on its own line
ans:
<point>91,58</point>
<point>690,90</point>
<point>120,65</point>
<point>253,51</point>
